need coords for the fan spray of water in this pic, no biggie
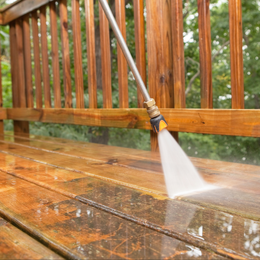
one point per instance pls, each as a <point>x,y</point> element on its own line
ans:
<point>181,177</point>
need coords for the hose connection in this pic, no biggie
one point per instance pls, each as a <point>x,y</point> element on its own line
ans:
<point>157,120</point>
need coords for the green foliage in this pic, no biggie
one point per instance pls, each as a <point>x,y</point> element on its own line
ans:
<point>227,148</point>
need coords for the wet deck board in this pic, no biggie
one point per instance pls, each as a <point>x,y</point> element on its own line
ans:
<point>235,180</point>
<point>223,224</point>
<point>15,244</point>
<point>173,218</point>
<point>77,230</point>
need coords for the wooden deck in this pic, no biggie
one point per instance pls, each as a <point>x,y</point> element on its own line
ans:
<point>61,198</point>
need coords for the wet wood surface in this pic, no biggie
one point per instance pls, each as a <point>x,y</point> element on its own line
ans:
<point>185,220</point>
<point>77,230</point>
<point>15,244</point>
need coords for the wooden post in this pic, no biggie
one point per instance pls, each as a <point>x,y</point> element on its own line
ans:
<point>160,56</point>
<point>18,79</point>
<point>236,53</point>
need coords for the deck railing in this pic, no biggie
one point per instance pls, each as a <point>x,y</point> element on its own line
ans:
<point>166,72</point>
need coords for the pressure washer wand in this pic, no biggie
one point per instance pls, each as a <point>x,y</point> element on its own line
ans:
<point>157,120</point>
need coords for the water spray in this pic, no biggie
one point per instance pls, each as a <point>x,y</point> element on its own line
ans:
<point>157,120</point>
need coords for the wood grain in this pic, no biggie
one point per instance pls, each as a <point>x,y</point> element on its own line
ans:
<point>65,53</point>
<point>1,95</point>
<point>16,244</point>
<point>50,216</point>
<point>20,8</point>
<point>160,53</point>
<point>204,121</point>
<point>205,54</point>
<point>90,32</point>
<point>122,64</point>
<point>45,59</point>
<point>178,55</point>
<point>236,54</point>
<point>105,59</point>
<point>55,55</point>
<point>14,65</point>
<point>19,126</point>
<point>77,54</point>
<point>37,64</point>
<point>155,212</point>
<point>140,45</point>
<point>20,73</point>
<point>28,61</point>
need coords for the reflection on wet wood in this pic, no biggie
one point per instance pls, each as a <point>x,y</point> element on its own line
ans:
<point>77,230</point>
<point>17,245</point>
<point>171,217</point>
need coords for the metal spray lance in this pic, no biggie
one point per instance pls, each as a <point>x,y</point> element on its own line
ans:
<point>157,120</point>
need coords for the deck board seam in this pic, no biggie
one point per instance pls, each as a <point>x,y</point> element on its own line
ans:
<point>75,156</point>
<point>180,236</point>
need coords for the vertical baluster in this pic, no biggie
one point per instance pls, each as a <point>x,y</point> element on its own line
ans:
<point>92,76</point>
<point>77,54</point>
<point>27,61</point>
<point>1,95</point>
<point>18,101</point>
<point>205,54</point>
<point>65,53</point>
<point>55,55</point>
<point>14,66</point>
<point>20,60</point>
<point>106,59</point>
<point>178,55</point>
<point>140,45</point>
<point>236,54</point>
<point>122,63</point>
<point>160,62</point>
<point>36,55</point>
<point>45,60</point>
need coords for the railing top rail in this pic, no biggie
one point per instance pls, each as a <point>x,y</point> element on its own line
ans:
<point>19,8</point>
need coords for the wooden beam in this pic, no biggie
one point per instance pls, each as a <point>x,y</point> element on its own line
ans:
<point>19,9</point>
<point>204,121</point>
<point>3,114</point>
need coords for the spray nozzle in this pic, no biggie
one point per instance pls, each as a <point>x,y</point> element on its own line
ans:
<point>157,120</point>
